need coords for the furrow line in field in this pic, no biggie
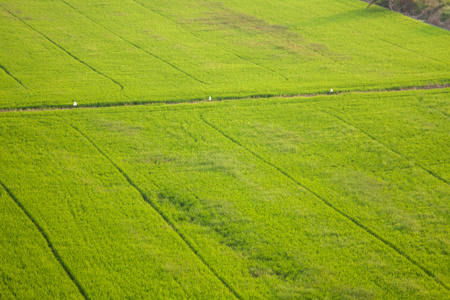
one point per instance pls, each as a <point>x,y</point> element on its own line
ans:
<point>386,146</point>
<point>328,203</point>
<point>12,76</point>
<point>65,50</point>
<point>47,239</point>
<point>135,45</point>
<point>213,44</point>
<point>185,239</point>
<point>259,65</point>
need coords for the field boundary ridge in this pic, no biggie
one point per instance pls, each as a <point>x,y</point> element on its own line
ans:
<point>12,76</point>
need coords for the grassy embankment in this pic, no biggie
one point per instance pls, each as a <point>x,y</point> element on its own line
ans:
<point>339,196</point>
<point>150,51</point>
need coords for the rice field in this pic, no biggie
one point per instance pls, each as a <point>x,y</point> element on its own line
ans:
<point>138,51</point>
<point>282,198</point>
<point>274,189</point>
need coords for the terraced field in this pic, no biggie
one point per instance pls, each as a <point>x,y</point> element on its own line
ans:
<point>266,196</point>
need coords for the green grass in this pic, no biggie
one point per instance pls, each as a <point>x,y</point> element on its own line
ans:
<point>28,269</point>
<point>113,243</point>
<point>149,51</point>
<point>326,197</point>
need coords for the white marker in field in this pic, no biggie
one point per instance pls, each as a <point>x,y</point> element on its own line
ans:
<point>75,104</point>
<point>331,90</point>
<point>209,98</point>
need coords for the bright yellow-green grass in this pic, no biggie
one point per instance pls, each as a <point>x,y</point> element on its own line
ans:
<point>56,52</point>
<point>112,242</point>
<point>327,197</point>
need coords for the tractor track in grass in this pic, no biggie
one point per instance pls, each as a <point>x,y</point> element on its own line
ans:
<point>183,237</point>
<point>327,203</point>
<point>213,44</point>
<point>47,239</point>
<point>135,45</point>
<point>65,50</point>
<point>354,127</point>
<point>12,76</point>
<point>196,101</point>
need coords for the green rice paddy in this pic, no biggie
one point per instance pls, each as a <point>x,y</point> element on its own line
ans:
<point>150,51</point>
<point>267,195</point>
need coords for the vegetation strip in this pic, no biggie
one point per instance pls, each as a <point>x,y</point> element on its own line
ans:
<point>161,213</point>
<point>63,49</point>
<point>47,239</point>
<point>329,204</point>
<point>384,145</point>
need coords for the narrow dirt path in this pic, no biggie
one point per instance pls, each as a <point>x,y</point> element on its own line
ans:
<point>194,101</point>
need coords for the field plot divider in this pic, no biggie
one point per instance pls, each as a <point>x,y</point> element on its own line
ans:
<point>12,76</point>
<point>385,146</point>
<point>206,41</point>
<point>65,50</point>
<point>329,204</point>
<point>134,45</point>
<point>160,212</point>
<point>47,239</point>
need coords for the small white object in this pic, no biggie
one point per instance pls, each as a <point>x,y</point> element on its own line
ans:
<point>75,104</point>
<point>331,90</point>
<point>209,98</point>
